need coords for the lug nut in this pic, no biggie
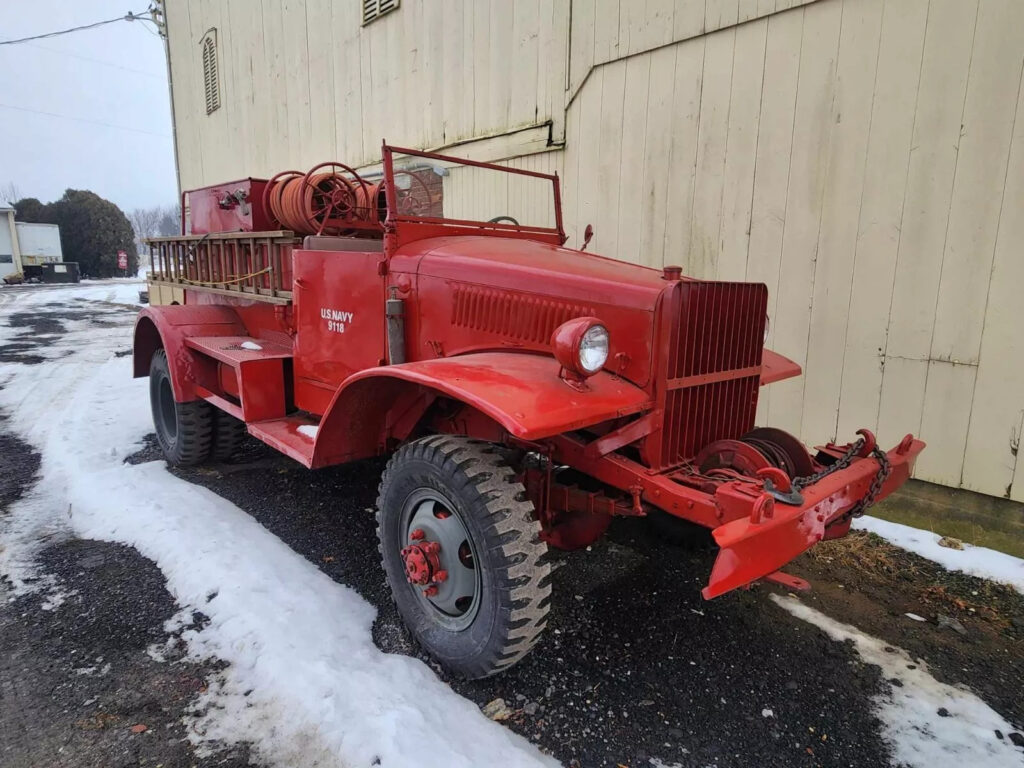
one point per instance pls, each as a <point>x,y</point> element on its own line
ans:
<point>441,576</point>
<point>430,591</point>
<point>417,534</point>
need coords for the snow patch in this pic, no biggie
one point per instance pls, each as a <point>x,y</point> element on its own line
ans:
<point>250,345</point>
<point>976,561</point>
<point>309,431</point>
<point>55,599</point>
<point>306,685</point>
<point>918,735</point>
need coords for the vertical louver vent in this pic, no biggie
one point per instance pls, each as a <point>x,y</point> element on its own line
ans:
<point>515,316</point>
<point>374,9</point>
<point>211,80</point>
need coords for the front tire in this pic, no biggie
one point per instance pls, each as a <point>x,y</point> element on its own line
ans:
<point>490,607</point>
<point>184,430</point>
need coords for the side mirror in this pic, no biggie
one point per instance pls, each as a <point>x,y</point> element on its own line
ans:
<point>588,233</point>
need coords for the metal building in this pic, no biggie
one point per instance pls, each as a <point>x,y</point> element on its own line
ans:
<point>861,157</point>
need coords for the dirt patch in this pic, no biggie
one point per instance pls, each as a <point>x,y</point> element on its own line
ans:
<point>865,581</point>
<point>79,688</point>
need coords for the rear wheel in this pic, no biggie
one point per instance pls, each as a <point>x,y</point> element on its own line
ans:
<point>184,430</point>
<point>228,435</point>
<point>462,554</point>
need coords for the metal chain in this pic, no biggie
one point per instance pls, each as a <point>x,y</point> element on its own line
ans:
<point>884,468</point>
<point>841,463</point>
<point>858,509</point>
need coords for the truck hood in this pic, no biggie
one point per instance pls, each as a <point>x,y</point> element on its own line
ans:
<point>538,268</point>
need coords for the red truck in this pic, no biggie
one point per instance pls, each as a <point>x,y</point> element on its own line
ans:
<point>526,392</point>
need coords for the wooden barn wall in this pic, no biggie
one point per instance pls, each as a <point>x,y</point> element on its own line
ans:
<point>861,157</point>
<point>302,81</point>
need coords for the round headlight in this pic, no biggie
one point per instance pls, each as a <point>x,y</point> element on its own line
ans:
<point>581,346</point>
<point>594,349</point>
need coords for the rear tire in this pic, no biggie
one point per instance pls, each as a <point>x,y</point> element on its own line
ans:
<point>490,549</point>
<point>184,430</point>
<point>228,435</point>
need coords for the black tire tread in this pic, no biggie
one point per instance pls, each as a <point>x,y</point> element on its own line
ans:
<point>228,435</point>
<point>512,534</point>
<point>195,424</point>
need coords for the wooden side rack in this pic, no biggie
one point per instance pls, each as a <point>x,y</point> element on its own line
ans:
<point>257,265</point>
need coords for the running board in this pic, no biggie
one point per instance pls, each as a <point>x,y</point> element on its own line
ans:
<point>293,436</point>
<point>248,370</point>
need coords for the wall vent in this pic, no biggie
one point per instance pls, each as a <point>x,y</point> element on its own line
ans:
<point>211,79</point>
<point>374,9</point>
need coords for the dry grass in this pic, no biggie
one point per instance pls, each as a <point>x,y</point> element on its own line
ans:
<point>865,553</point>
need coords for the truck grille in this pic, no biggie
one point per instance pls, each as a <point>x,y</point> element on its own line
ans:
<point>712,372</point>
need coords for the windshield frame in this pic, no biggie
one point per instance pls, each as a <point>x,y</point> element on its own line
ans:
<point>394,218</point>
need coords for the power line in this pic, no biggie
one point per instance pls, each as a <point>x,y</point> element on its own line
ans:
<point>59,52</point>
<point>85,120</point>
<point>127,17</point>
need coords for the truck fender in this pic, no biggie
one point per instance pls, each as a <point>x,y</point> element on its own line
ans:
<point>775,367</point>
<point>523,393</point>
<point>167,327</point>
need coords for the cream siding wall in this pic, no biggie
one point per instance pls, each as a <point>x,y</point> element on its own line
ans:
<point>303,82</point>
<point>861,157</point>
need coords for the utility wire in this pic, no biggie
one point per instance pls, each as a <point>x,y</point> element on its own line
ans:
<point>85,120</point>
<point>59,52</point>
<point>127,17</point>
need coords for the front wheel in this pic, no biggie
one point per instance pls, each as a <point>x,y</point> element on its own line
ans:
<point>462,553</point>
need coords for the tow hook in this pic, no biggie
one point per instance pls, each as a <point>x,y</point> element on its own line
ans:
<point>780,487</point>
<point>423,563</point>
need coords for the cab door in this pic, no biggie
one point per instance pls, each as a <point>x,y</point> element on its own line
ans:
<point>339,310</point>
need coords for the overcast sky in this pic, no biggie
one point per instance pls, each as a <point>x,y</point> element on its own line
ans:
<point>88,110</point>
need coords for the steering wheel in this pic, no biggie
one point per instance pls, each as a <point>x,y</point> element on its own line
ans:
<point>498,219</point>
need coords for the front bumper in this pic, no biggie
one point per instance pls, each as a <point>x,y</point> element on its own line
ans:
<point>755,546</point>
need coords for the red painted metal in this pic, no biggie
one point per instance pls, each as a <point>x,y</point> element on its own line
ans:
<point>775,367</point>
<point>714,336</point>
<point>565,345</point>
<point>422,560</point>
<point>230,207</point>
<point>750,550</point>
<point>668,423</point>
<point>522,393</point>
<point>789,581</point>
<point>731,454</point>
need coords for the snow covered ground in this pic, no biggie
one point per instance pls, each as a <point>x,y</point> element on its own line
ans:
<point>321,692</point>
<point>977,561</point>
<point>929,724</point>
<point>306,685</point>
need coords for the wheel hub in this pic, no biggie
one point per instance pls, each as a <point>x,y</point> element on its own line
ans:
<point>439,560</point>
<point>423,563</point>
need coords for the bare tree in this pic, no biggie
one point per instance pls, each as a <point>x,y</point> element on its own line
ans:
<point>170,221</point>
<point>144,221</point>
<point>9,193</point>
